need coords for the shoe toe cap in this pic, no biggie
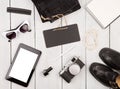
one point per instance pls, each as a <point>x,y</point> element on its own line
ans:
<point>102,73</point>
<point>110,57</point>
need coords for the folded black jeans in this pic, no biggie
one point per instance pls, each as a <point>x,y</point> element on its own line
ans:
<point>49,8</point>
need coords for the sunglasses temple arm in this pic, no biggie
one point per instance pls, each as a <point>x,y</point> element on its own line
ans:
<point>13,29</point>
<point>29,30</point>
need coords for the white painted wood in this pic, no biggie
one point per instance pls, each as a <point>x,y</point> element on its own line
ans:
<point>78,49</point>
<point>51,56</point>
<point>26,38</point>
<point>115,35</point>
<point>4,44</point>
<point>48,58</point>
<point>93,55</point>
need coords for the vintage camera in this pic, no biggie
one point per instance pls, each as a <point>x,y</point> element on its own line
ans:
<point>71,69</point>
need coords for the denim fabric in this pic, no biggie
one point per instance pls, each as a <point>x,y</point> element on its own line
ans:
<point>48,8</point>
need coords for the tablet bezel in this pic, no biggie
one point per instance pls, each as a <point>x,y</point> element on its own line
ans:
<point>31,50</point>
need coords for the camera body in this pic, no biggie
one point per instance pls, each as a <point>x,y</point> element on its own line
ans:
<point>71,69</point>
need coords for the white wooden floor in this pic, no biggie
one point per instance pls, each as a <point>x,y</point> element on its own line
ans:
<point>106,38</point>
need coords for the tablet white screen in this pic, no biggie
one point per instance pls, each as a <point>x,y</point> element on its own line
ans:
<point>23,65</point>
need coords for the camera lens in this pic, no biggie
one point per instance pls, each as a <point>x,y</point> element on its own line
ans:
<point>74,69</point>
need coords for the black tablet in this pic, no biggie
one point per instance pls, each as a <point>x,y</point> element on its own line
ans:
<point>23,65</point>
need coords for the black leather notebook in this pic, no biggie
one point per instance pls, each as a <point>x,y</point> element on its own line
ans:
<point>61,35</point>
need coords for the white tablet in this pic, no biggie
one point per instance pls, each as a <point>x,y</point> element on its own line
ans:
<point>23,65</point>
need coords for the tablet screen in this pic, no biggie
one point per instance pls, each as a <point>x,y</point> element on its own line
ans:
<point>23,65</point>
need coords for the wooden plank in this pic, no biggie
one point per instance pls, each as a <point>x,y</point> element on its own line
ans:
<point>114,35</point>
<point>50,57</point>
<point>93,55</point>
<point>5,45</point>
<point>78,48</point>
<point>26,38</point>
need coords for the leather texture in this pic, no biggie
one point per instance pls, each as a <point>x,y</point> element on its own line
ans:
<point>103,74</point>
<point>48,8</point>
<point>110,57</point>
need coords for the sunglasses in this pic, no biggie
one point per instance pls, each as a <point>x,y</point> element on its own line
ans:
<point>11,34</point>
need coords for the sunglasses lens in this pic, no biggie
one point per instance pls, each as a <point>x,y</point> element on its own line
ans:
<point>11,35</point>
<point>24,28</point>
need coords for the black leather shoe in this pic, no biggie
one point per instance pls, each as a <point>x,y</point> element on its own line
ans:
<point>104,74</point>
<point>110,57</point>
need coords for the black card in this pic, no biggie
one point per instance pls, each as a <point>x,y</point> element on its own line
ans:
<point>61,35</point>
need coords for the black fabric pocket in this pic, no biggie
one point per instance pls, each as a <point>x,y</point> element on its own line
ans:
<point>50,8</point>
